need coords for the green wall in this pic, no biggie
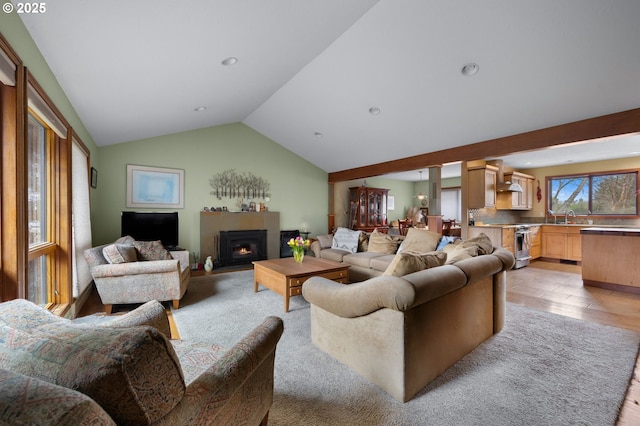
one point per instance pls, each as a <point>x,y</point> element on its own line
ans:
<point>401,190</point>
<point>298,188</point>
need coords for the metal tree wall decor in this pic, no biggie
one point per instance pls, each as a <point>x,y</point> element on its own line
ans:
<point>230,184</point>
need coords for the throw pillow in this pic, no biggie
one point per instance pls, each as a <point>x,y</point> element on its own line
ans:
<point>363,242</point>
<point>346,239</point>
<point>460,253</point>
<point>382,243</point>
<point>151,250</point>
<point>127,239</point>
<point>482,241</point>
<point>119,253</point>
<point>420,241</point>
<point>444,241</point>
<point>325,240</point>
<point>408,262</point>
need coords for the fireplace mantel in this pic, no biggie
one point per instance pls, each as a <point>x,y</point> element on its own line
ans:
<point>211,223</point>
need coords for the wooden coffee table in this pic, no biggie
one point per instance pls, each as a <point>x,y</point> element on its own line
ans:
<point>285,276</point>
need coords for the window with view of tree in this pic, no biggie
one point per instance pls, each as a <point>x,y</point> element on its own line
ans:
<point>39,193</point>
<point>603,194</point>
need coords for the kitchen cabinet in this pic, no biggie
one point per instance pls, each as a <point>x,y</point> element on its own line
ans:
<point>535,238</point>
<point>561,242</point>
<point>500,236</point>
<point>482,187</point>
<point>368,209</point>
<point>616,266</point>
<point>516,200</point>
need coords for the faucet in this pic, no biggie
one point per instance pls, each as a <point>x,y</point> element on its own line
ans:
<point>567,214</point>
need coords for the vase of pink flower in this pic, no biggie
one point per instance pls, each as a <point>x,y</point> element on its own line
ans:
<point>298,246</point>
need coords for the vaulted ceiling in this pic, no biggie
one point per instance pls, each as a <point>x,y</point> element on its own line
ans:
<point>341,83</point>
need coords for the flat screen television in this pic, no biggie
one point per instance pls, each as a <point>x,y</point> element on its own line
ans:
<point>151,226</point>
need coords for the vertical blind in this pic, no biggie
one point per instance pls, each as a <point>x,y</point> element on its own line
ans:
<point>81,217</point>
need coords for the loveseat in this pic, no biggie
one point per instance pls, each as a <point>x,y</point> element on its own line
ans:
<point>54,371</point>
<point>401,332</point>
<point>128,271</point>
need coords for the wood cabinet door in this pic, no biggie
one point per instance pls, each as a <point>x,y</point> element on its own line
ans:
<point>529,197</point>
<point>508,239</point>
<point>490,188</point>
<point>554,245</point>
<point>574,247</point>
<point>536,242</point>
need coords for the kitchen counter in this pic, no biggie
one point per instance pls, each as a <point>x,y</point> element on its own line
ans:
<point>610,258</point>
<point>579,225</point>
<point>625,232</point>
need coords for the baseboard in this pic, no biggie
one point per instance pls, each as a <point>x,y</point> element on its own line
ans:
<point>78,304</point>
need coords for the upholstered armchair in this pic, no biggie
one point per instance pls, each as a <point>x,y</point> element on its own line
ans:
<point>127,371</point>
<point>128,272</point>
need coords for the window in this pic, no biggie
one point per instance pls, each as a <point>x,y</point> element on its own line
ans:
<point>39,200</point>
<point>603,194</point>
<point>48,203</point>
<point>35,191</point>
<point>451,203</point>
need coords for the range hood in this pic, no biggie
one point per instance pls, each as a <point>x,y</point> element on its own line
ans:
<point>502,185</point>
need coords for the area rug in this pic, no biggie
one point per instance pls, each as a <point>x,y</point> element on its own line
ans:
<point>542,369</point>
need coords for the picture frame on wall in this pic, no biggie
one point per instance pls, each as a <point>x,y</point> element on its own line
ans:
<point>94,178</point>
<point>154,187</point>
<point>391,202</point>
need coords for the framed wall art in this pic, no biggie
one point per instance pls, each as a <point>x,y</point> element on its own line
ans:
<point>94,178</point>
<point>155,187</point>
<point>391,202</point>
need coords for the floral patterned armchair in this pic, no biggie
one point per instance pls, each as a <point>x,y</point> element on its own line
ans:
<point>55,371</point>
<point>130,271</point>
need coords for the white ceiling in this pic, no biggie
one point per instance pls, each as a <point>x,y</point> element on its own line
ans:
<point>138,69</point>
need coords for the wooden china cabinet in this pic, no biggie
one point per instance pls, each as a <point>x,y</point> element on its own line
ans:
<point>368,209</point>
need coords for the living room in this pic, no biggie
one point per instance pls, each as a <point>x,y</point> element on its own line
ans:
<point>298,186</point>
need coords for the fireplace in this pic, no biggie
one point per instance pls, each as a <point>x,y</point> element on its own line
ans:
<point>242,247</point>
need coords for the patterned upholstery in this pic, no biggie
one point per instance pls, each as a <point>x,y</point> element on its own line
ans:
<point>140,281</point>
<point>44,357</point>
<point>133,373</point>
<point>27,401</point>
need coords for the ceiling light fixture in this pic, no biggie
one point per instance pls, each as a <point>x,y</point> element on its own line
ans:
<point>231,60</point>
<point>374,110</point>
<point>470,69</point>
<point>200,108</point>
<point>421,196</point>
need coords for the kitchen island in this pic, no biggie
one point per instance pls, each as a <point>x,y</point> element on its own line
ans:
<point>611,258</point>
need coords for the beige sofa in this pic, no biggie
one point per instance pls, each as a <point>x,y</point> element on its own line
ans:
<point>367,262</point>
<point>403,332</point>
<point>129,271</point>
<point>54,371</point>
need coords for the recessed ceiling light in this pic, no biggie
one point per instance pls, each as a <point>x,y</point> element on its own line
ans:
<point>231,60</point>
<point>470,69</point>
<point>318,135</point>
<point>200,108</point>
<point>374,110</point>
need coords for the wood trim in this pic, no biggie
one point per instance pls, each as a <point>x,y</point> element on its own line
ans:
<point>8,50</point>
<point>63,286</point>
<point>31,81</point>
<point>593,128</point>
<point>612,286</point>
<point>13,238</point>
